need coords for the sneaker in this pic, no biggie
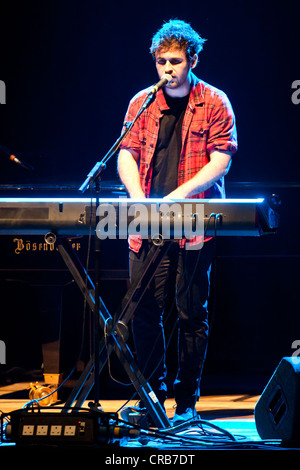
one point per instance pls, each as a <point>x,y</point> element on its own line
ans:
<point>184,415</point>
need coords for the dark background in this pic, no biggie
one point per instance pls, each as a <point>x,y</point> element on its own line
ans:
<point>70,68</point>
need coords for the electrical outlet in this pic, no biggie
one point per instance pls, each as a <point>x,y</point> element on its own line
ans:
<point>70,430</point>
<point>55,430</point>
<point>28,430</point>
<point>42,430</point>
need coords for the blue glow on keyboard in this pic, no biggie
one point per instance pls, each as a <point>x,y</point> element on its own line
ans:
<point>16,200</point>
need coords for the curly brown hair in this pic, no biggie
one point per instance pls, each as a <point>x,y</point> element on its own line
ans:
<point>177,33</point>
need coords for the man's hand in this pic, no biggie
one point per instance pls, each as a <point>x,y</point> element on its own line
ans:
<point>177,194</point>
<point>217,167</point>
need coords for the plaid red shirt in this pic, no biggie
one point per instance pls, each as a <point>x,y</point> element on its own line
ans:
<point>208,125</point>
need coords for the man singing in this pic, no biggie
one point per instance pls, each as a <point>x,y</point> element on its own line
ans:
<point>180,147</point>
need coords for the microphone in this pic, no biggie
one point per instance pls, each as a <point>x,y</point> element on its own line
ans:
<point>166,78</point>
<point>7,153</point>
<point>27,166</point>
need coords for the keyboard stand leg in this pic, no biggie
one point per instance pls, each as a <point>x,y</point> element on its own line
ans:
<point>115,338</point>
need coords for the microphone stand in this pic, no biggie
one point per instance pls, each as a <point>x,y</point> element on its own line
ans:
<point>93,180</point>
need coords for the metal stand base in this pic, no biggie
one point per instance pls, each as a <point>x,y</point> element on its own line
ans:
<point>115,332</point>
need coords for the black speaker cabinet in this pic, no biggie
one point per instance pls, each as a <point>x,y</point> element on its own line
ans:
<point>277,412</point>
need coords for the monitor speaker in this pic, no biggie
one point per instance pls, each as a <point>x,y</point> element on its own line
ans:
<point>277,412</point>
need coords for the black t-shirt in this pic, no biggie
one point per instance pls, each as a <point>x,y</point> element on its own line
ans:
<point>168,148</point>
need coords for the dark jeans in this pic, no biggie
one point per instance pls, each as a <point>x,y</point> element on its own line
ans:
<point>191,270</point>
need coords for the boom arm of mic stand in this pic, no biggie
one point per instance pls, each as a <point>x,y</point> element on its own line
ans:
<point>96,170</point>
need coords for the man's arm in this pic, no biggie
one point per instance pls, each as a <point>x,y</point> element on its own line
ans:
<point>216,168</point>
<point>129,173</point>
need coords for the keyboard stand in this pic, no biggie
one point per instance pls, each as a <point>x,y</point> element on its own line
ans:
<point>115,333</point>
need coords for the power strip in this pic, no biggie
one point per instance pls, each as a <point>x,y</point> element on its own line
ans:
<point>45,428</point>
<point>52,428</point>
